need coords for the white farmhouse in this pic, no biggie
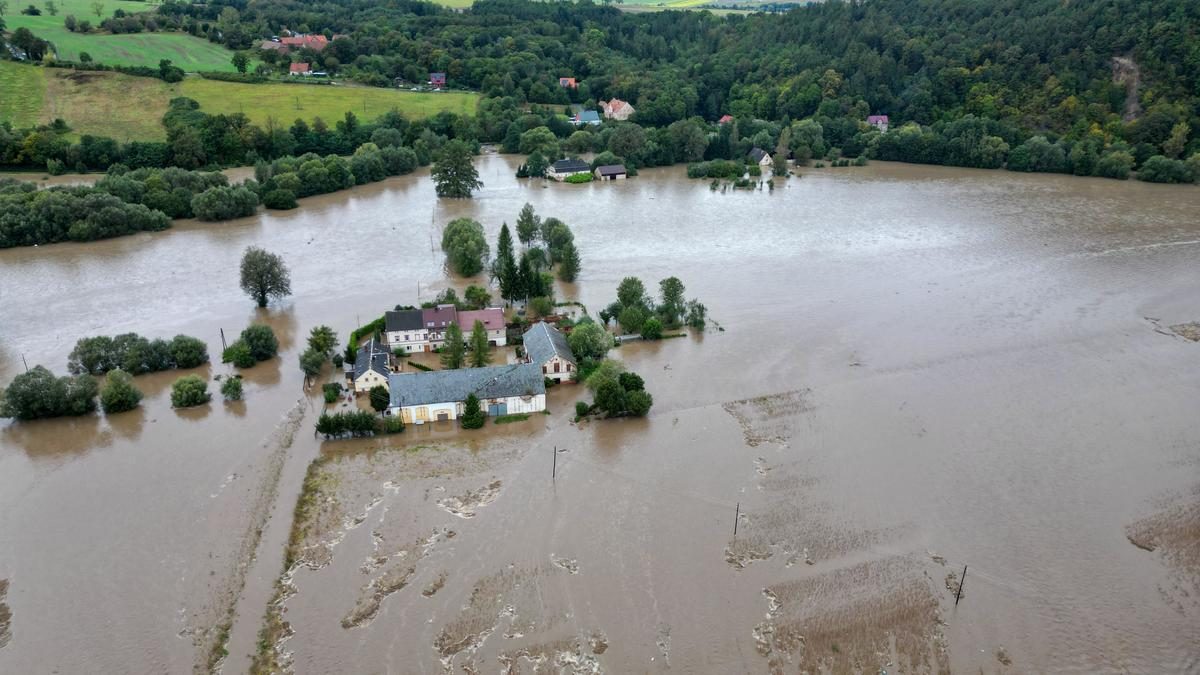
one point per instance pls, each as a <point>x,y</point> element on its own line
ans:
<point>371,368</point>
<point>547,348</point>
<point>762,158</point>
<point>441,394</point>
<point>406,330</point>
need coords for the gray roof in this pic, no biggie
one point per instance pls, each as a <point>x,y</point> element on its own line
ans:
<point>371,356</point>
<point>611,169</point>
<point>451,386</point>
<point>569,165</point>
<point>589,116</point>
<point>405,319</point>
<point>543,342</point>
<point>757,154</point>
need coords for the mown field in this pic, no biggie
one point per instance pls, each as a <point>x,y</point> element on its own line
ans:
<point>130,108</point>
<point>141,49</point>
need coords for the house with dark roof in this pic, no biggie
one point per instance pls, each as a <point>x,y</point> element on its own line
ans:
<point>564,168</point>
<point>440,395</point>
<point>762,158</point>
<point>405,329</point>
<point>372,367</point>
<point>610,172</point>
<point>547,348</point>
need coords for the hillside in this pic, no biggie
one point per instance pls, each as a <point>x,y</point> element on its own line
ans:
<point>103,103</point>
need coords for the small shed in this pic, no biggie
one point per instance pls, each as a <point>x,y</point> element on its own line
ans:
<point>611,172</point>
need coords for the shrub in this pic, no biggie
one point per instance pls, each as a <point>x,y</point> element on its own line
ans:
<point>473,416</point>
<point>38,394</point>
<point>541,306</point>
<point>578,178</point>
<point>239,355</point>
<point>652,329</point>
<point>118,393</point>
<point>224,203</point>
<point>582,409</point>
<point>279,199</point>
<point>188,391</point>
<point>391,424</point>
<point>231,388</point>
<point>188,352</point>
<point>261,341</point>
<point>631,382</point>
<point>1159,169</point>
<point>357,423</point>
<point>610,397</point>
<point>331,390</point>
<point>639,403</point>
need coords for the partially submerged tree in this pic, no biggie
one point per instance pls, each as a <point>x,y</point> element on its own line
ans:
<point>473,416</point>
<point>264,276</point>
<point>231,388</point>
<point>380,398</point>
<point>38,393</point>
<point>465,246</point>
<point>454,351</point>
<point>480,349</point>
<point>188,391</point>
<point>528,225</point>
<point>118,393</point>
<point>454,174</point>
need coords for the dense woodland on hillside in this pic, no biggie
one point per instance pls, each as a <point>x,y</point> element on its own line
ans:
<point>1093,88</point>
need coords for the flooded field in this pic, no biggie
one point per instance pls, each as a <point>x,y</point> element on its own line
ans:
<point>921,368</point>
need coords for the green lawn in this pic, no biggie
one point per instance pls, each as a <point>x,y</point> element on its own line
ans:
<point>130,108</point>
<point>140,49</point>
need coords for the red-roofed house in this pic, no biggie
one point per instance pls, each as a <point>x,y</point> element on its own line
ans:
<point>436,320</point>
<point>493,322</point>
<point>567,83</point>
<point>313,42</point>
<point>437,80</point>
<point>298,69</point>
<point>880,122</point>
<point>617,109</point>
<point>725,119</point>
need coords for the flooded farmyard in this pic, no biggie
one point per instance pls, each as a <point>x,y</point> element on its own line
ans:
<point>916,369</point>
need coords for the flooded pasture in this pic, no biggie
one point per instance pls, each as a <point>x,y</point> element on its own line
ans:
<point>917,369</point>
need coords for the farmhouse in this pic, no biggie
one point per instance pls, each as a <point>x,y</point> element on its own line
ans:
<point>547,348</point>
<point>564,168</point>
<point>567,83</point>
<point>298,69</point>
<point>371,368</point>
<point>617,109</point>
<point>610,172</point>
<point>313,42</point>
<point>441,394</point>
<point>437,80</point>
<point>493,322</point>
<point>762,158</point>
<point>880,122</point>
<point>589,117</point>
<point>405,329</point>
<point>437,320</point>
<point>725,119</point>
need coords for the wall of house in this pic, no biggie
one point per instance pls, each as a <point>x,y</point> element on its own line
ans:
<point>565,368</point>
<point>369,379</point>
<point>408,340</point>
<point>420,414</point>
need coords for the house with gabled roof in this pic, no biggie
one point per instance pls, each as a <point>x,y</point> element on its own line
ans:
<point>492,319</point>
<point>547,348</point>
<point>298,69</point>
<point>880,122</point>
<point>437,80</point>
<point>725,119</point>
<point>611,172</point>
<point>616,109</point>
<point>567,83</point>
<point>762,158</point>
<point>588,117</point>
<point>405,329</point>
<point>564,168</point>
<point>441,395</point>
<point>372,367</point>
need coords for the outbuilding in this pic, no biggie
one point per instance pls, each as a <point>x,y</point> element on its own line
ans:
<point>441,394</point>
<point>610,172</point>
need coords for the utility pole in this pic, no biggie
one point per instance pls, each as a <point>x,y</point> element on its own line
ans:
<point>737,513</point>
<point>554,465</point>
<point>25,362</point>
<point>963,580</point>
<point>223,345</point>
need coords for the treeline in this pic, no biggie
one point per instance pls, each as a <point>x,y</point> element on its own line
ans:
<point>135,354</point>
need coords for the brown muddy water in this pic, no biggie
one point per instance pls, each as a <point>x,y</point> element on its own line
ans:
<point>921,368</point>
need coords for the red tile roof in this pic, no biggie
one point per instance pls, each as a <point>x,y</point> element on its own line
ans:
<point>313,42</point>
<point>439,317</point>
<point>492,318</point>
<point>298,68</point>
<point>725,118</point>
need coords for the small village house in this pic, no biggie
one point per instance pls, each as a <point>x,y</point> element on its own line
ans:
<point>298,69</point>
<point>440,395</point>
<point>880,122</point>
<point>437,320</point>
<point>372,367</point>
<point>610,172</point>
<point>567,83</point>
<point>547,348</point>
<point>616,109</point>
<point>564,168</point>
<point>588,117</point>
<point>725,119</point>
<point>405,330</point>
<point>493,323</point>
<point>314,42</point>
<point>437,80</point>
<point>423,330</point>
<point>762,158</point>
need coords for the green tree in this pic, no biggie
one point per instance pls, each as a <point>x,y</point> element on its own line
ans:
<point>652,329</point>
<point>240,61</point>
<point>631,292</point>
<point>477,296</point>
<point>480,350</point>
<point>505,269</point>
<point>238,353</point>
<point>118,393</point>
<point>697,314</point>
<point>540,140</point>
<point>188,391</point>
<point>465,246</point>
<point>473,416</point>
<point>188,352</point>
<point>541,306</point>
<point>568,268</point>
<point>589,340</point>
<point>672,306</point>
<point>323,339</point>
<point>51,8</point>
<point>528,225</point>
<point>311,361</point>
<point>261,341</point>
<point>1177,141</point>
<point>264,276</point>
<point>631,382</point>
<point>610,397</point>
<point>380,398</point>
<point>454,174</point>
<point>454,351</point>
<point>632,319</point>
<point>37,394</point>
<point>639,402</point>
<point>231,388</point>
<point>98,9</point>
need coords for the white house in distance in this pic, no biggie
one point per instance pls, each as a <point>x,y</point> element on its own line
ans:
<point>880,122</point>
<point>564,168</point>
<point>371,368</point>
<point>762,158</point>
<point>404,329</point>
<point>440,395</point>
<point>547,348</point>
<point>423,330</point>
<point>616,109</point>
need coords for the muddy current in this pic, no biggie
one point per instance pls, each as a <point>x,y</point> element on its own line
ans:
<point>915,369</point>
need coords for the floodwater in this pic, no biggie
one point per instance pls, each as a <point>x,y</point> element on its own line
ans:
<point>917,369</point>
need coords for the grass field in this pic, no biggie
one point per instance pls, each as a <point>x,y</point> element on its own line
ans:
<point>130,108</point>
<point>141,49</point>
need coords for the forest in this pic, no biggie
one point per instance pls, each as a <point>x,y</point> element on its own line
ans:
<point>1095,88</point>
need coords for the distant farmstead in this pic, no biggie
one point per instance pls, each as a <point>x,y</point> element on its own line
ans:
<point>567,83</point>
<point>565,168</point>
<point>880,122</point>
<point>725,119</point>
<point>423,330</point>
<point>437,80</point>
<point>617,109</point>
<point>611,172</point>
<point>589,117</point>
<point>440,395</point>
<point>299,69</point>
<point>314,42</point>
<point>547,348</point>
<point>762,158</point>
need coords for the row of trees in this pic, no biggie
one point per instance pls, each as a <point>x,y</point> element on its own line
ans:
<point>358,423</point>
<point>617,393</point>
<point>135,354</point>
<point>636,312</point>
<point>256,343</point>
<point>38,394</point>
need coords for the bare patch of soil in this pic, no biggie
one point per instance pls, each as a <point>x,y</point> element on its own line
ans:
<point>1188,331</point>
<point>769,419</point>
<point>1174,534</point>
<point>467,504</point>
<point>435,586</point>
